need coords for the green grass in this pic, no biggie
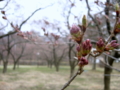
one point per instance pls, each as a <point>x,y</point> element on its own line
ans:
<point>44,78</point>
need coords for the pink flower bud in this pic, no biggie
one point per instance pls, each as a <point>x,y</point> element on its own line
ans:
<point>86,47</point>
<point>76,33</point>
<point>112,45</point>
<point>113,41</point>
<point>82,61</point>
<point>78,48</point>
<point>100,45</point>
<point>74,29</point>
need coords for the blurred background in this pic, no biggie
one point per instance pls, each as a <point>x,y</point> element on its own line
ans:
<point>37,52</point>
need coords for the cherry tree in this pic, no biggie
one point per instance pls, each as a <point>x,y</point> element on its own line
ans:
<point>84,46</point>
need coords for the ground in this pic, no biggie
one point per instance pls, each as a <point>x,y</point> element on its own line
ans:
<point>44,78</point>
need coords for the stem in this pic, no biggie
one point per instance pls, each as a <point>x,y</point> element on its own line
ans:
<point>112,33</point>
<point>80,70</point>
<point>109,38</point>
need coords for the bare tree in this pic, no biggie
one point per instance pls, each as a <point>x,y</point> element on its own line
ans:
<point>18,54</point>
<point>57,52</point>
<point>6,53</point>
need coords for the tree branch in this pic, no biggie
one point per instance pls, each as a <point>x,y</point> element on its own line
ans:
<point>5,5</point>
<point>106,65</point>
<point>68,83</point>
<point>97,25</point>
<point>13,32</point>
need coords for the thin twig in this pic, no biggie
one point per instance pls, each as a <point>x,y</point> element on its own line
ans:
<point>5,5</point>
<point>13,32</point>
<point>32,15</point>
<point>106,65</point>
<point>4,27</point>
<point>97,25</point>
<point>68,83</point>
<point>111,57</point>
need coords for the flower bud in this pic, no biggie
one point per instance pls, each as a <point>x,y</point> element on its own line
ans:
<point>100,45</point>
<point>112,45</point>
<point>75,30</point>
<point>86,47</point>
<point>117,10</point>
<point>4,17</point>
<point>117,7</point>
<point>3,12</point>
<point>76,33</point>
<point>78,48</point>
<point>84,23</point>
<point>82,61</point>
<point>117,27</point>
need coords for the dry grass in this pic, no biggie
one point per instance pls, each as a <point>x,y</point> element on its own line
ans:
<point>43,78</point>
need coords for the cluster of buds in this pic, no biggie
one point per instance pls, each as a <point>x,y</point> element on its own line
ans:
<point>100,45</point>
<point>86,47</point>
<point>83,50</point>
<point>77,31</point>
<point>112,45</point>
<point>25,35</point>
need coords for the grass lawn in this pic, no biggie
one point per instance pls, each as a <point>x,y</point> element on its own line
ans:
<point>44,78</point>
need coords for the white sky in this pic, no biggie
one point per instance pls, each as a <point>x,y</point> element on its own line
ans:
<point>18,10</point>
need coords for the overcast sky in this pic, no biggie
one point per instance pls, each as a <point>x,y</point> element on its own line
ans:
<point>18,10</point>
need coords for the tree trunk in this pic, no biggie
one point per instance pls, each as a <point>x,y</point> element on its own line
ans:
<point>49,64</point>
<point>71,63</point>
<point>110,61</point>
<point>14,67</point>
<point>108,71</point>
<point>57,68</point>
<point>107,77</point>
<point>5,67</point>
<point>18,64</point>
<point>0,61</point>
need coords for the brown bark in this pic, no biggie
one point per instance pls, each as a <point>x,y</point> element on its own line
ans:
<point>107,70</point>
<point>5,67</point>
